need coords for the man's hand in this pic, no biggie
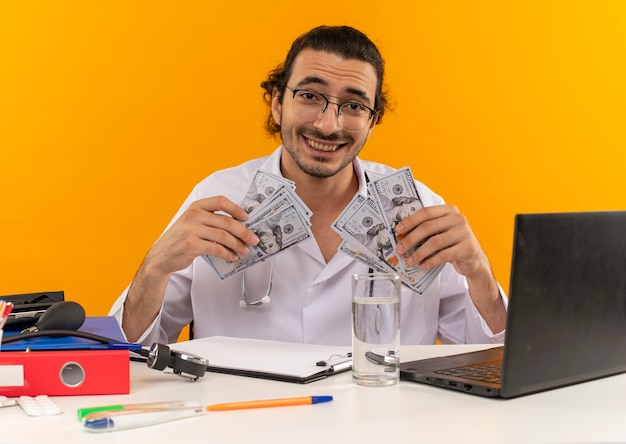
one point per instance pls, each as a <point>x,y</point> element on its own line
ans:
<point>202,230</point>
<point>445,236</point>
<point>209,226</point>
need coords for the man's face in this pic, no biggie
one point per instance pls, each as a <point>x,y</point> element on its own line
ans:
<point>405,210</point>
<point>268,243</point>
<point>321,147</point>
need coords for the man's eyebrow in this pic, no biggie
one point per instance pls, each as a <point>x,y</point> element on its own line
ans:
<point>358,92</point>
<point>313,80</point>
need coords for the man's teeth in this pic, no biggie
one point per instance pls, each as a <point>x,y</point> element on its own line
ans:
<point>321,147</point>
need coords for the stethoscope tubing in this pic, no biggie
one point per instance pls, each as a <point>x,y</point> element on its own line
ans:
<point>265,299</point>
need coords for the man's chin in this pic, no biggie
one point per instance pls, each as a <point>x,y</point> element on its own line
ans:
<point>316,171</point>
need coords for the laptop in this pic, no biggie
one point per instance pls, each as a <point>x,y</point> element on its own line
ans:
<point>566,320</point>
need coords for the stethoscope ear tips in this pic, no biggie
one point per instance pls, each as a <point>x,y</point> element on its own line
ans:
<point>242,304</point>
<point>265,300</point>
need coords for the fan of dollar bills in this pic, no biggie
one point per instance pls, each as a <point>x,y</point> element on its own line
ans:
<point>276,215</point>
<point>367,226</point>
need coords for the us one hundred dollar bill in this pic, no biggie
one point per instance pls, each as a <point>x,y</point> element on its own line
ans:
<point>276,215</point>
<point>363,255</point>
<point>283,227</point>
<point>264,186</point>
<point>367,228</point>
<point>354,205</point>
<point>397,198</point>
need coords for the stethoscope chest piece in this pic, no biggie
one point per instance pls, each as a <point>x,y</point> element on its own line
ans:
<point>182,364</point>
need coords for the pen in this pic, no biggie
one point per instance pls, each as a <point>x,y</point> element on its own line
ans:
<point>280,402</point>
<point>5,311</point>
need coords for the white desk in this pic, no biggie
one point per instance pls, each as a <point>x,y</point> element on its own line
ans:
<point>592,412</point>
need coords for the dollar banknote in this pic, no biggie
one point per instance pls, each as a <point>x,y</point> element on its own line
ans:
<point>277,216</point>
<point>367,227</point>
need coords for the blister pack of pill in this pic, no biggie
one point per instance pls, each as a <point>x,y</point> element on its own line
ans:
<point>6,402</point>
<point>40,405</point>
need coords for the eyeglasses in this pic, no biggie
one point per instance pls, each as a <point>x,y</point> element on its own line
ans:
<point>310,105</point>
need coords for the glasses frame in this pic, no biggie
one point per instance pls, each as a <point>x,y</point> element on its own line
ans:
<point>373,112</point>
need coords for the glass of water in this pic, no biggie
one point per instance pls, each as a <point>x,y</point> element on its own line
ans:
<point>376,329</point>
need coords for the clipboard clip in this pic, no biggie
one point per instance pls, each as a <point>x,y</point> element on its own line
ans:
<point>335,361</point>
<point>340,366</point>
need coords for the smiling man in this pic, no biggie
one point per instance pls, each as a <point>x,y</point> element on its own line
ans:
<point>324,102</point>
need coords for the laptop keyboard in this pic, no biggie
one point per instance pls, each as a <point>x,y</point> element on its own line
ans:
<point>487,372</point>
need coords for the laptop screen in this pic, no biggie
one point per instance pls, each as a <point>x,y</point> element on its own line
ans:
<point>567,300</point>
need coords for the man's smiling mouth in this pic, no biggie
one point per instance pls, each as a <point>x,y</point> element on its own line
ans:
<point>322,147</point>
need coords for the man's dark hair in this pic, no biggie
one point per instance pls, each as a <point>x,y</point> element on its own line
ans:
<point>344,41</point>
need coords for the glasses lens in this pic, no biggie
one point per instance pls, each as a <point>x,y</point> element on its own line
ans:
<point>309,105</point>
<point>353,116</point>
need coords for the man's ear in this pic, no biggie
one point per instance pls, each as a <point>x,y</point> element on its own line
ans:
<point>276,106</point>
<point>373,122</point>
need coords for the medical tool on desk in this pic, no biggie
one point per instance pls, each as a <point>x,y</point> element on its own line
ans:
<point>61,319</point>
<point>65,315</point>
<point>65,318</point>
<point>183,364</point>
<point>120,417</point>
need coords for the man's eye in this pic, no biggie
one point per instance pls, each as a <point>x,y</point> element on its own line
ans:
<point>306,95</point>
<point>353,107</point>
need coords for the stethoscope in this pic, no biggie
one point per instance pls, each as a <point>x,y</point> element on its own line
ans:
<point>244,302</point>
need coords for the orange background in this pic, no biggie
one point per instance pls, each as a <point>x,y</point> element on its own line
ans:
<point>111,111</point>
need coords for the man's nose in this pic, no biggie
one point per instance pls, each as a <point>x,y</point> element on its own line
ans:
<point>328,121</point>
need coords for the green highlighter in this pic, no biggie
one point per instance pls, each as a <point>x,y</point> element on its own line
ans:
<point>147,406</point>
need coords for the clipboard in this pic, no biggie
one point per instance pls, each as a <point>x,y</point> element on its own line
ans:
<point>278,361</point>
